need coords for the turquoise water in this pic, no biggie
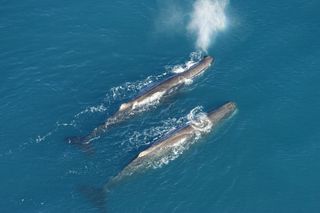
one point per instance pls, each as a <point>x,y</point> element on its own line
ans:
<point>67,65</point>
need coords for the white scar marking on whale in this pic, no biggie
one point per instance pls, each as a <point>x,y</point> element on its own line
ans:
<point>151,99</point>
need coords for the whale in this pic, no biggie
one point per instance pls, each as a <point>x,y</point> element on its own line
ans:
<point>184,136</point>
<point>158,92</point>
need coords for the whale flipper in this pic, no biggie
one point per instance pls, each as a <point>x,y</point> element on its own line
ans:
<point>95,195</point>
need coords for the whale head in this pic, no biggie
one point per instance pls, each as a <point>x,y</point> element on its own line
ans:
<point>199,68</point>
<point>208,60</point>
<point>225,111</point>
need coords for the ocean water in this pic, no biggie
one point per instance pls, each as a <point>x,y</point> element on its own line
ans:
<point>68,65</point>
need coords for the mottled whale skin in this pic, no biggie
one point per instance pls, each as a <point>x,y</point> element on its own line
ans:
<point>161,148</point>
<point>161,90</point>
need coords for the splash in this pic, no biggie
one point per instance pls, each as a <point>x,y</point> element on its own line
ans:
<point>92,109</point>
<point>207,19</point>
<point>195,57</point>
<point>199,120</point>
<point>153,134</point>
<point>129,89</point>
<point>114,96</point>
<point>170,155</point>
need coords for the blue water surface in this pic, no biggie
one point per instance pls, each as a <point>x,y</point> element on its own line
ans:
<point>64,67</point>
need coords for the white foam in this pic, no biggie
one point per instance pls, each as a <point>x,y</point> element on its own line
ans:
<point>188,81</point>
<point>199,120</point>
<point>129,88</point>
<point>170,154</point>
<point>195,57</point>
<point>150,135</point>
<point>183,67</point>
<point>42,138</point>
<point>92,109</point>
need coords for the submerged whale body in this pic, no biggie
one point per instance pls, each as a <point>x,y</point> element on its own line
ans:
<point>158,92</point>
<point>184,136</point>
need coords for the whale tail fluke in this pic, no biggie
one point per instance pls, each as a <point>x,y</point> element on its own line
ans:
<point>97,196</point>
<point>82,142</point>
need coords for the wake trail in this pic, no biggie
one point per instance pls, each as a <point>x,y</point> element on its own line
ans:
<point>118,94</point>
